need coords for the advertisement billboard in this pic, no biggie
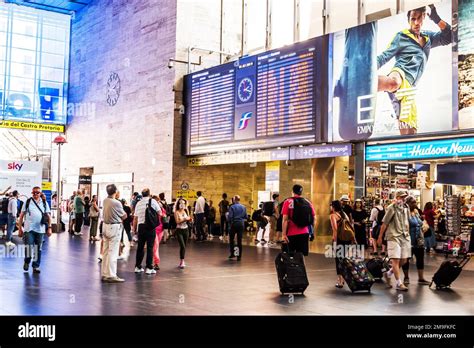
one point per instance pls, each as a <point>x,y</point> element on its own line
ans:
<point>466,63</point>
<point>393,77</point>
<point>21,176</point>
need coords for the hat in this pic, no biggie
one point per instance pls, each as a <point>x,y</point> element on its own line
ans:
<point>401,193</point>
<point>358,200</point>
<point>344,198</point>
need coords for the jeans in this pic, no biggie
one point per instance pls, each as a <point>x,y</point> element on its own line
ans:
<point>94,223</point>
<point>200,226</point>
<point>79,220</point>
<point>111,234</point>
<point>237,228</point>
<point>182,235</point>
<point>145,236</point>
<point>10,226</point>
<point>224,226</point>
<point>33,243</point>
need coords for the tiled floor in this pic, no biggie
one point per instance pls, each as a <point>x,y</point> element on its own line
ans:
<point>69,284</point>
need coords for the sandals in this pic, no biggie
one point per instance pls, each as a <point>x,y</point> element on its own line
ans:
<point>340,285</point>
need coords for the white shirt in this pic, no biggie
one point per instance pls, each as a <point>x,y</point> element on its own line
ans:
<point>374,214</point>
<point>140,208</point>
<point>13,206</point>
<point>200,204</point>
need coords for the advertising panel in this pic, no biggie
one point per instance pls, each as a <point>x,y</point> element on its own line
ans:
<point>466,63</point>
<point>21,176</point>
<point>393,77</point>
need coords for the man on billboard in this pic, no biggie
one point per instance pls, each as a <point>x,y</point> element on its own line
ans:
<point>411,49</point>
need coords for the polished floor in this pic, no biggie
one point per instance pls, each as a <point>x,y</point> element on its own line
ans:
<point>69,284</point>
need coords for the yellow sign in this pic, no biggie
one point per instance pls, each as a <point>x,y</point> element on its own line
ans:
<point>46,186</point>
<point>186,194</point>
<point>55,128</point>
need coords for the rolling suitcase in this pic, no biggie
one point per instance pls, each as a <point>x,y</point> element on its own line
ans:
<point>291,273</point>
<point>448,272</point>
<point>356,275</point>
<point>377,267</point>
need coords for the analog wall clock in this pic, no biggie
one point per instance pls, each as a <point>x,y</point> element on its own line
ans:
<point>113,89</point>
<point>245,90</point>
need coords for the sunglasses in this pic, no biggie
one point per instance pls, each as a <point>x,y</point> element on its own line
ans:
<point>36,192</point>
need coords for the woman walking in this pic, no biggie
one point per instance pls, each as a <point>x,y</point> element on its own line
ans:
<point>430,215</point>
<point>159,235</point>
<point>94,217</point>
<point>337,216</point>
<point>417,243</point>
<point>182,218</point>
<point>359,215</point>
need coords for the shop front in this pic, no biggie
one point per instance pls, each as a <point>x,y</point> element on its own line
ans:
<point>440,171</point>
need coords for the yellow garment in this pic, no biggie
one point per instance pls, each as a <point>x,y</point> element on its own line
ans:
<point>406,96</point>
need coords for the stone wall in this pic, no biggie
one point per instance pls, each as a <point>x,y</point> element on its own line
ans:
<point>135,39</point>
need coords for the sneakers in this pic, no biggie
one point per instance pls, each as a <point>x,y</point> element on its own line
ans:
<point>10,244</point>
<point>406,281</point>
<point>402,287</point>
<point>182,265</point>
<point>139,270</point>
<point>387,279</point>
<point>36,270</point>
<point>150,271</point>
<point>77,233</point>
<point>26,266</point>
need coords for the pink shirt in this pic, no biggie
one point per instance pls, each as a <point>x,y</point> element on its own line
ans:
<point>287,210</point>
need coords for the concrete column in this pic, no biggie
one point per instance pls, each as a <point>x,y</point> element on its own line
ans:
<point>322,192</point>
<point>359,170</point>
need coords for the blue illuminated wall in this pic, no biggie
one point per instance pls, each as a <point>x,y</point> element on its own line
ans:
<point>34,64</point>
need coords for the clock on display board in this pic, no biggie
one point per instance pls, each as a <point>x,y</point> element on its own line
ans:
<point>113,89</point>
<point>245,90</point>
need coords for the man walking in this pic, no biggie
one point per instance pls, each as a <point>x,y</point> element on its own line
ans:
<point>273,220</point>
<point>199,212</point>
<point>298,214</point>
<point>237,218</point>
<point>113,215</point>
<point>37,216</point>
<point>12,214</point>
<point>79,208</point>
<point>395,223</point>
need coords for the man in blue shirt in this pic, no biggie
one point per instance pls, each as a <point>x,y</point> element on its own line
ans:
<point>237,218</point>
<point>32,213</point>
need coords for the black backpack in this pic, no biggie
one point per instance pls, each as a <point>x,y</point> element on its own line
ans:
<point>268,208</point>
<point>151,217</point>
<point>5,205</point>
<point>380,215</point>
<point>257,215</point>
<point>302,212</point>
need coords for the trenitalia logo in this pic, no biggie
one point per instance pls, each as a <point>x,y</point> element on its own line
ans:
<point>244,120</point>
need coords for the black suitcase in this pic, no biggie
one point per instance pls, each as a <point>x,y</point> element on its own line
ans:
<point>356,275</point>
<point>377,267</point>
<point>448,272</point>
<point>291,273</point>
<point>216,229</point>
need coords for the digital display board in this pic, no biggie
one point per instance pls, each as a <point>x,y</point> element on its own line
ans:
<point>260,101</point>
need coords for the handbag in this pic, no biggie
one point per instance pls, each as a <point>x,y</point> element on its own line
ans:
<point>345,231</point>
<point>420,241</point>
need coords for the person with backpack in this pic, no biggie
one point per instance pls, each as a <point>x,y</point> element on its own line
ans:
<point>79,209</point>
<point>37,216</point>
<point>223,209</point>
<point>341,236</point>
<point>376,217</point>
<point>12,214</point>
<point>159,230</point>
<point>146,220</point>
<point>165,218</point>
<point>298,213</point>
<point>211,219</point>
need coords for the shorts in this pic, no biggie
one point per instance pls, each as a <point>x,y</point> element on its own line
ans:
<point>399,250</point>
<point>406,96</point>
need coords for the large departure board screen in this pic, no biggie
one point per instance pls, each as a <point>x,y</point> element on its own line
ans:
<point>261,101</point>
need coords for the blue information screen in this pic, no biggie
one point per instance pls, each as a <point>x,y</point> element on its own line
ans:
<point>260,101</point>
